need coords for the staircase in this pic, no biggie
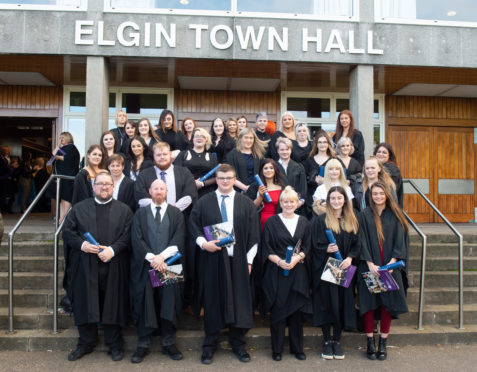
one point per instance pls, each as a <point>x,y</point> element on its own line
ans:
<point>33,282</point>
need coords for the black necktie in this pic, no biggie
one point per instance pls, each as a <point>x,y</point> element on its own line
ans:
<point>158,215</point>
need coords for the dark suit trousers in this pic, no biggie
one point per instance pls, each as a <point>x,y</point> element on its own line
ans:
<point>88,333</point>
<point>236,339</point>
<point>295,333</point>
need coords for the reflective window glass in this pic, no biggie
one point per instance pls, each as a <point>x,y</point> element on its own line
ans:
<point>174,4</point>
<point>309,107</point>
<point>151,104</point>
<point>337,8</point>
<point>77,102</point>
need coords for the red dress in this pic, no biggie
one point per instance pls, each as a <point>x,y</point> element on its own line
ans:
<point>269,209</point>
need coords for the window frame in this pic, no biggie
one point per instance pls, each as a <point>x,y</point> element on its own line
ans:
<point>80,8</point>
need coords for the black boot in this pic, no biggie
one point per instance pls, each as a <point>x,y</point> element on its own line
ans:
<point>371,351</point>
<point>382,353</point>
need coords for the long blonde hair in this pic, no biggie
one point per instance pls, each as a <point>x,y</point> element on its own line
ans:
<point>348,221</point>
<point>258,147</point>
<point>334,163</point>
<point>383,175</point>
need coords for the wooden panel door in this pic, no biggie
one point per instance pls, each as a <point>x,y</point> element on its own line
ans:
<point>441,161</point>
<point>412,146</point>
<point>454,183</point>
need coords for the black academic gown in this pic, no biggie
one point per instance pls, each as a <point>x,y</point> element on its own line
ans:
<point>142,298</point>
<point>285,295</point>
<point>176,140</point>
<point>82,187</point>
<point>119,135</point>
<point>332,303</point>
<point>295,177</point>
<point>272,150</point>
<point>69,166</point>
<point>83,268</point>
<point>395,174</point>
<point>394,246</point>
<point>222,148</point>
<point>236,160</point>
<point>184,181</point>
<point>126,193</point>
<point>225,293</point>
<point>147,163</point>
<point>358,143</point>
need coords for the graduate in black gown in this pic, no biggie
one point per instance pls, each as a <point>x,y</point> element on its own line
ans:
<point>83,183</point>
<point>344,150</point>
<point>158,233</point>
<point>246,160</point>
<point>334,305</point>
<point>222,143</point>
<point>287,298</point>
<point>182,192</point>
<point>168,132</point>
<point>123,189</point>
<point>286,129</point>
<point>118,132</point>
<point>224,288</point>
<point>382,229</point>
<point>346,127</point>
<point>199,160</point>
<point>293,173</point>
<point>304,142</point>
<point>375,171</point>
<point>385,154</point>
<point>138,158</point>
<point>100,274</point>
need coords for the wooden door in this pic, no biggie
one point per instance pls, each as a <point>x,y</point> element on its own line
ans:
<point>441,161</point>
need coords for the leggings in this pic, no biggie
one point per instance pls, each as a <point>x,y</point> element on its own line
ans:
<point>385,323</point>
<point>327,332</point>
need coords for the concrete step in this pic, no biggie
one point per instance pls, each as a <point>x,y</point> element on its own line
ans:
<point>443,264</point>
<point>29,298</point>
<point>436,279</point>
<point>447,236</point>
<point>443,250</point>
<point>442,296</point>
<point>30,280</point>
<point>34,340</point>
<point>31,248</point>
<point>438,315</point>
<point>31,264</point>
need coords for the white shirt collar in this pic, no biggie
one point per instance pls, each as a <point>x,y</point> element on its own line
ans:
<point>100,202</point>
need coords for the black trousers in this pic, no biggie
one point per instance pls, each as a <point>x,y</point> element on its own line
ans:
<point>236,339</point>
<point>295,333</point>
<point>166,329</point>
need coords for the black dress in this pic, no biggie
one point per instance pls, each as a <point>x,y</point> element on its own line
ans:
<point>83,187</point>
<point>199,164</point>
<point>147,163</point>
<point>236,159</point>
<point>358,143</point>
<point>332,304</point>
<point>353,168</point>
<point>312,169</point>
<point>295,177</point>
<point>176,140</point>
<point>299,154</point>
<point>69,166</point>
<point>222,148</point>
<point>284,295</point>
<point>395,174</point>
<point>302,153</point>
<point>394,246</point>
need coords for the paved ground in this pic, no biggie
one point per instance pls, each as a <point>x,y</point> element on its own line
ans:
<point>418,358</point>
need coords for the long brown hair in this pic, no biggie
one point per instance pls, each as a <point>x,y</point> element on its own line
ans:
<point>390,203</point>
<point>348,221</point>
<point>330,151</point>
<point>339,127</point>
<point>164,113</point>
<point>383,174</point>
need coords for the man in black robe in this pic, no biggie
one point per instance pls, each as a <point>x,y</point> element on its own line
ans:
<point>158,233</point>
<point>118,132</point>
<point>181,188</point>
<point>99,285</point>
<point>224,288</point>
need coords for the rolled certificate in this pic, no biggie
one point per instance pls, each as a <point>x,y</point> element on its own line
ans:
<point>209,174</point>
<point>173,259</point>
<point>288,258</point>
<point>322,171</point>
<point>332,240</point>
<point>393,266</point>
<point>260,183</point>
<point>52,159</point>
<point>92,240</point>
<point>225,241</point>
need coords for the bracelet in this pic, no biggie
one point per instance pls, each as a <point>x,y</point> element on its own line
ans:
<point>278,262</point>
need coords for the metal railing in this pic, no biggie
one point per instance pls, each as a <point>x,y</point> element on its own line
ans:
<point>461,254</point>
<point>14,230</point>
<point>423,268</point>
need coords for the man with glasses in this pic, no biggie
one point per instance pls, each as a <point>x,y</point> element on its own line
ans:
<point>224,273</point>
<point>100,273</point>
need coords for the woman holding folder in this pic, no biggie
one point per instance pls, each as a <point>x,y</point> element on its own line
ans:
<point>333,305</point>
<point>381,228</point>
<point>285,281</point>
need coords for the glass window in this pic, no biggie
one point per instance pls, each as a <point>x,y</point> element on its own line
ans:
<point>337,8</point>
<point>173,4</point>
<point>151,104</point>
<point>309,107</point>
<point>76,126</point>
<point>112,104</point>
<point>432,10</point>
<point>57,3</point>
<point>77,102</point>
<point>343,104</point>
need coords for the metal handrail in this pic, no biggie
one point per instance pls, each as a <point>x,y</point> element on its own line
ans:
<point>423,268</point>
<point>55,274</point>
<point>461,250</point>
<point>17,226</point>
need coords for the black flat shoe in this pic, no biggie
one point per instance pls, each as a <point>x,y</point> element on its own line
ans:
<point>172,351</point>
<point>78,353</point>
<point>300,356</point>
<point>116,355</point>
<point>139,355</point>
<point>207,356</point>
<point>277,357</point>
<point>242,355</point>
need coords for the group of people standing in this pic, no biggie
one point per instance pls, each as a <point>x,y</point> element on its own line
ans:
<point>143,197</point>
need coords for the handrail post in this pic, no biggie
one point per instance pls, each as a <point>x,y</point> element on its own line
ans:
<point>421,289</point>
<point>10,283</point>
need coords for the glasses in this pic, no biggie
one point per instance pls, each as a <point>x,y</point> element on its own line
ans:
<point>103,184</point>
<point>322,142</point>
<point>224,178</point>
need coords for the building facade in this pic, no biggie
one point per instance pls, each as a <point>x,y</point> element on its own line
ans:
<point>407,70</point>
